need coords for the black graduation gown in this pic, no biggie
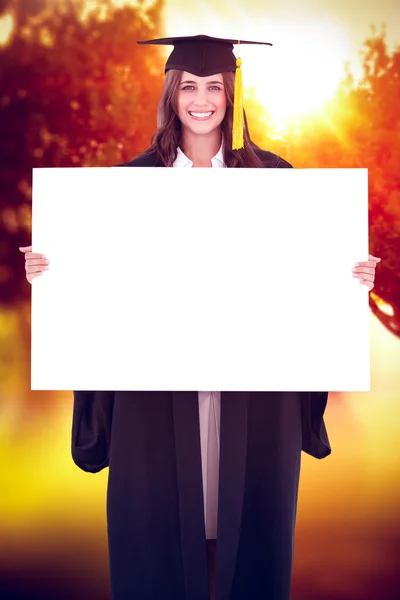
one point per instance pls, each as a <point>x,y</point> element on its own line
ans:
<point>155,516</point>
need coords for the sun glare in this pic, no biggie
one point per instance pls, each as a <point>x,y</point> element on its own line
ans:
<point>303,70</point>
<point>295,77</point>
<point>7,25</point>
<point>141,7</point>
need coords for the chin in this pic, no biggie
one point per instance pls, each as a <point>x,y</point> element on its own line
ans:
<point>203,131</point>
<point>202,128</point>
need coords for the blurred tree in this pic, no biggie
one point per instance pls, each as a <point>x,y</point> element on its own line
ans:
<point>76,90</point>
<point>374,132</point>
<point>360,128</point>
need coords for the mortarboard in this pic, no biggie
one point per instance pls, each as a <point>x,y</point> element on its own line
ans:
<point>203,55</point>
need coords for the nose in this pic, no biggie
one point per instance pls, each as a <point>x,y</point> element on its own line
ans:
<point>201,98</point>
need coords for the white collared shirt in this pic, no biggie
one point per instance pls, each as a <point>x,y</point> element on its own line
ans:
<point>209,412</point>
<point>182,161</point>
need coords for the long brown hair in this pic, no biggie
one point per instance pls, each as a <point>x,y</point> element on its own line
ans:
<point>167,138</point>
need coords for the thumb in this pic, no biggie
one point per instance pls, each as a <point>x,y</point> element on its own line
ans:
<point>25,249</point>
<point>374,258</point>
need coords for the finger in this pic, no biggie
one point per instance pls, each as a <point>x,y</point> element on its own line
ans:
<point>32,276</point>
<point>29,255</point>
<point>31,262</point>
<point>25,248</point>
<point>37,269</point>
<point>376,259</point>
<point>370,270</point>
<point>364,276</point>
<point>367,263</point>
<point>368,284</point>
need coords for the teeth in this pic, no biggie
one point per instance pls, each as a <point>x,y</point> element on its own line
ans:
<point>201,115</point>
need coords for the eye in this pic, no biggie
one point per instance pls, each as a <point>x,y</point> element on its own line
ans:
<point>187,87</point>
<point>215,88</point>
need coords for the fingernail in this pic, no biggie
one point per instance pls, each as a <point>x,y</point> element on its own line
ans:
<point>47,262</point>
<point>46,268</point>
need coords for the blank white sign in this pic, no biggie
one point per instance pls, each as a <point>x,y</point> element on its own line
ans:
<point>200,279</point>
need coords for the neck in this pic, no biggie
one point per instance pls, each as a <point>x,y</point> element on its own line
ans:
<point>200,148</point>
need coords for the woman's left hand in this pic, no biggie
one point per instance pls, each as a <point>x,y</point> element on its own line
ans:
<point>365,271</point>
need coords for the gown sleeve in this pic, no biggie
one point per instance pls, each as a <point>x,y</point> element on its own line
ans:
<point>315,437</point>
<point>91,430</point>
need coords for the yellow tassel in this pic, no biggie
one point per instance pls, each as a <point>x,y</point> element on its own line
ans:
<point>238,119</point>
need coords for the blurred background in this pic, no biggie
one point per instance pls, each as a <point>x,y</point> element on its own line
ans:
<point>76,90</point>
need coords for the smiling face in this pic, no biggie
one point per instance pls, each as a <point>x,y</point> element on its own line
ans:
<point>201,103</point>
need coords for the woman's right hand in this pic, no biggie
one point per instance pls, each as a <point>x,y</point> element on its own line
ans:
<point>35,264</point>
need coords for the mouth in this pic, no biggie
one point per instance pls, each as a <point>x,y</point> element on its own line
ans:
<point>201,116</point>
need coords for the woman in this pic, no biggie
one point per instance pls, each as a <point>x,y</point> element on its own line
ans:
<point>186,465</point>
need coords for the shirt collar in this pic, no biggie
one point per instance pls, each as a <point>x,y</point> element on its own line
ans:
<point>183,161</point>
<point>220,155</point>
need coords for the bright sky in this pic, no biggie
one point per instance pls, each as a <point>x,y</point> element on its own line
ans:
<point>312,42</point>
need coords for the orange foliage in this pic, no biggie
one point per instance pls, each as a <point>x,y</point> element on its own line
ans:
<point>74,92</point>
<point>359,128</point>
<point>80,92</point>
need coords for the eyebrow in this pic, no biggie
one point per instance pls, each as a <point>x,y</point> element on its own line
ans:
<point>208,82</point>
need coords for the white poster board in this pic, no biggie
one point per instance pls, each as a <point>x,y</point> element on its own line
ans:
<point>200,279</point>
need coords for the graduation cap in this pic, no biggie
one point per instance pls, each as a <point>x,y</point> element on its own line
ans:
<point>202,56</point>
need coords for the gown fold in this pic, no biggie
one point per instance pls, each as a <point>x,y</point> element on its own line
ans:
<point>155,503</point>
